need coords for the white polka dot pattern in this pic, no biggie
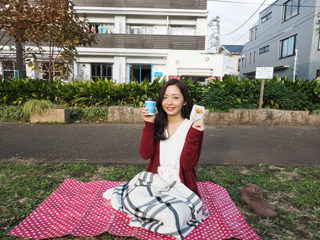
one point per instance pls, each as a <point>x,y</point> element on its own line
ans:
<point>78,209</point>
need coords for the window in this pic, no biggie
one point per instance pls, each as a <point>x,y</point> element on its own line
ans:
<point>254,57</point>
<point>101,71</point>
<point>139,72</point>
<point>182,30</point>
<point>266,17</point>
<point>264,49</point>
<point>250,59</point>
<point>318,74</point>
<point>8,68</point>
<point>140,29</point>
<point>287,47</point>
<point>255,33</point>
<point>251,35</point>
<point>290,9</point>
<point>58,70</point>
<point>101,28</point>
<point>319,43</point>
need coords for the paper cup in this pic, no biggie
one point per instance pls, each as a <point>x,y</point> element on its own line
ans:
<point>199,113</point>
<point>150,104</point>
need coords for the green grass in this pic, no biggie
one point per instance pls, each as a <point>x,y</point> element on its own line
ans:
<point>37,106</point>
<point>294,191</point>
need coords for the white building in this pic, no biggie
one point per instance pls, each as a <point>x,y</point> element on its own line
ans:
<point>285,38</point>
<point>144,39</point>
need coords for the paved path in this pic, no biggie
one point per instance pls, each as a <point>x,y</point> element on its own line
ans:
<point>119,143</point>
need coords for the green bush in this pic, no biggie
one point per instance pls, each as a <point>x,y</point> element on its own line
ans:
<point>89,112</point>
<point>12,113</point>
<point>241,93</point>
<point>195,89</point>
<point>218,99</point>
<point>230,92</point>
<point>37,106</point>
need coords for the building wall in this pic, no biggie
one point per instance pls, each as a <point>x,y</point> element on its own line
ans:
<point>123,58</point>
<point>315,55</point>
<point>273,31</point>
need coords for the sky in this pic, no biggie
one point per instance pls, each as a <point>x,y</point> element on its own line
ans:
<point>234,13</point>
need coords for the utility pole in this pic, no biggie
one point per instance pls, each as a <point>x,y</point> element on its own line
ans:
<point>214,39</point>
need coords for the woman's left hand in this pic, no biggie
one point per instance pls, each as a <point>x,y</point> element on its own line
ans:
<point>199,125</point>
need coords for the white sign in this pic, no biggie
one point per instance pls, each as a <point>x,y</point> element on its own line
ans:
<point>264,72</point>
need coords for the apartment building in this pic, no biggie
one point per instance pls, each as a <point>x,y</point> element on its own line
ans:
<point>145,39</point>
<point>136,37</point>
<point>284,38</point>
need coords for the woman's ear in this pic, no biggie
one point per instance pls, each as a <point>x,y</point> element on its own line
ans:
<point>185,103</point>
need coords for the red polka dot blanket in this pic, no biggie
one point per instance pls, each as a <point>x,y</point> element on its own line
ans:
<point>78,208</point>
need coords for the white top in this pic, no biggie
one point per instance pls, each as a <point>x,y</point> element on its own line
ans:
<point>170,152</point>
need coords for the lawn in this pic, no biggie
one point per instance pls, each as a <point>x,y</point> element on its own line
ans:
<point>294,191</point>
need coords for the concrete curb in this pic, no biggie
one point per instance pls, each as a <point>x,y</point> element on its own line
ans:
<point>123,114</point>
<point>51,115</point>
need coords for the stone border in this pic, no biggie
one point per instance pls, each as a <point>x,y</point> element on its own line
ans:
<point>123,114</point>
<point>51,115</point>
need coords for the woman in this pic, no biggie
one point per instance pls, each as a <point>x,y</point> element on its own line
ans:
<point>165,198</point>
<point>174,107</point>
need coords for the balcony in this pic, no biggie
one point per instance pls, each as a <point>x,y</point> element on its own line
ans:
<point>139,41</point>
<point>144,41</point>
<point>166,4</point>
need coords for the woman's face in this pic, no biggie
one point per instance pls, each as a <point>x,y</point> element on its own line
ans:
<point>173,101</point>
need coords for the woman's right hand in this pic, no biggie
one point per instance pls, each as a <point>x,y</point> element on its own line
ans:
<point>146,116</point>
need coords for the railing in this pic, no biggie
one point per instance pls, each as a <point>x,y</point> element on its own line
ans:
<point>144,41</point>
<point>140,41</point>
<point>167,4</point>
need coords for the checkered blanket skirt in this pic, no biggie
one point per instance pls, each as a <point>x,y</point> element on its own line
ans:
<point>159,206</point>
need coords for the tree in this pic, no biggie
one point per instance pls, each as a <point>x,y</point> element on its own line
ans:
<point>57,31</point>
<point>14,16</point>
<point>52,27</point>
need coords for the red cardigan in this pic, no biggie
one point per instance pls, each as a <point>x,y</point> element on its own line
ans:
<point>189,156</point>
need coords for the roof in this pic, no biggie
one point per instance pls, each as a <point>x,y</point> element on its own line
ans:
<point>233,48</point>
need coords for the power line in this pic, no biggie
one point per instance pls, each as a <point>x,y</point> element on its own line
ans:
<point>247,20</point>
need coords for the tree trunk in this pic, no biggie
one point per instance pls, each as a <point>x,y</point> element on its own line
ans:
<point>19,55</point>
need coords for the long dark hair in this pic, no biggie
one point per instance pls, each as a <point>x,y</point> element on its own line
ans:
<point>161,119</point>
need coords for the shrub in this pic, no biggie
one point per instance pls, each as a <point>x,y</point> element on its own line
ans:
<point>217,99</point>
<point>37,106</point>
<point>12,113</point>
<point>230,92</point>
<point>89,112</point>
